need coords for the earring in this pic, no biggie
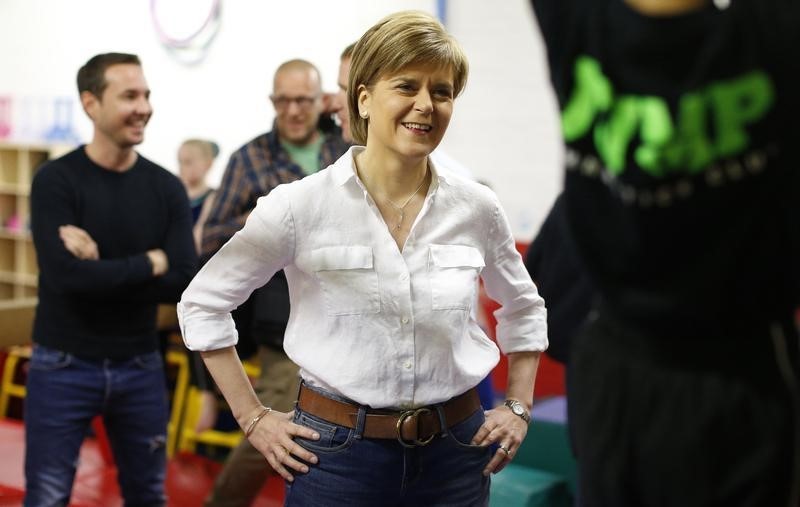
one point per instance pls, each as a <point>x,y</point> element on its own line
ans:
<point>364,114</point>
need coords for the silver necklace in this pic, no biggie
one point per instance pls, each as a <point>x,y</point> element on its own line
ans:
<point>402,209</point>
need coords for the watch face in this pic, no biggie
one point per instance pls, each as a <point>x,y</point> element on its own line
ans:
<point>517,409</point>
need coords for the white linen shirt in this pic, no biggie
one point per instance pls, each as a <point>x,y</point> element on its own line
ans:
<point>382,327</point>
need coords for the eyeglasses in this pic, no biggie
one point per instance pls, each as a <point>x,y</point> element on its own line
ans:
<point>282,103</point>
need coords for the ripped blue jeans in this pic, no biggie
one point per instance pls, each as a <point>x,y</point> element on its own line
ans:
<point>64,393</point>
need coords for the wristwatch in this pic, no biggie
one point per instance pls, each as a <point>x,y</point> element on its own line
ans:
<point>518,409</point>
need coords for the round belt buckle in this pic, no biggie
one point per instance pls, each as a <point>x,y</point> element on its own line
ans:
<point>416,442</point>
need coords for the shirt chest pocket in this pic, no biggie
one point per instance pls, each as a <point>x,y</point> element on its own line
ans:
<point>453,271</point>
<point>348,279</point>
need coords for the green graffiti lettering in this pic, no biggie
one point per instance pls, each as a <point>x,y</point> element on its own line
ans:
<point>613,137</point>
<point>737,103</point>
<point>592,94</point>
<point>689,148</point>
<point>666,143</point>
<point>695,150</point>
<point>656,133</point>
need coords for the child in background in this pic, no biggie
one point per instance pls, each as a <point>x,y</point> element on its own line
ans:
<point>195,157</point>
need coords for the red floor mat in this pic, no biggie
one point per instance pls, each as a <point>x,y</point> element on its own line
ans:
<point>189,477</point>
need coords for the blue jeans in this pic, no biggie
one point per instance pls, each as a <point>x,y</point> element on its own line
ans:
<point>358,472</point>
<point>64,393</point>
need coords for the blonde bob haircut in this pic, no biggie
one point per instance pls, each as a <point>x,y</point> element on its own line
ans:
<point>395,42</point>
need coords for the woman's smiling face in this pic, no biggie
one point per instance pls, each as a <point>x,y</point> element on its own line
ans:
<point>409,110</point>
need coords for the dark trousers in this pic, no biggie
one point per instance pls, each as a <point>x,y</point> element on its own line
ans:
<point>705,422</point>
<point>64,393</point>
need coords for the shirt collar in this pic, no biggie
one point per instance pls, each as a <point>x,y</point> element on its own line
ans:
<point>344,169</point>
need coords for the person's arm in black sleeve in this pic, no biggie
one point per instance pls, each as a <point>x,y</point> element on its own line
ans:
<point>542,245</point>
<point>555,268</point>
<point>53,204</point>
<point>178,244</point>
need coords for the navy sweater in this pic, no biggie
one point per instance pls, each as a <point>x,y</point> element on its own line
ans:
<point>106,308</point>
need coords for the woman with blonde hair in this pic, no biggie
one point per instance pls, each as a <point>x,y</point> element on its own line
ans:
<point>383,252</point>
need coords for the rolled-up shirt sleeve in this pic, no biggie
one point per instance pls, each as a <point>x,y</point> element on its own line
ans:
<point>522,318</point>
<point>246,262</point>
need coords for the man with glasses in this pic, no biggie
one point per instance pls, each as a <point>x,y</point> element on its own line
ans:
<point>302,141</point>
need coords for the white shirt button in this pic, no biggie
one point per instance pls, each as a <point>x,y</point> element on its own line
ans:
<point>407,365</point>
<point>404,320</point>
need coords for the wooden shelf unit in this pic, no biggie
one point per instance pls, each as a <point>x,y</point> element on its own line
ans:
<point>18,164</point>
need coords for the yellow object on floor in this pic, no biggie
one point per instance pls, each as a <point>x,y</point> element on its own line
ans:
<point>188,438</point>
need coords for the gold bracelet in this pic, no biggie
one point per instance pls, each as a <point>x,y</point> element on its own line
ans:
<point>252,425</point>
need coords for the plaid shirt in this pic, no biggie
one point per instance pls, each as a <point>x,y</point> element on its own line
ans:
<point>253,171</point>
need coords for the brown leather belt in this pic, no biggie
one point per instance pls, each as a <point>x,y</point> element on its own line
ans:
<point>411,428</point>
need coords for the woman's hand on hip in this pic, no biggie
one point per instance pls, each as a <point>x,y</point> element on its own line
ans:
<point>505,429</point>
<point>273,437</point>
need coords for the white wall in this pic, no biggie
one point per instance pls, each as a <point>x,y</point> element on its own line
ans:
<point>506,125</point>
<point>504,129</point>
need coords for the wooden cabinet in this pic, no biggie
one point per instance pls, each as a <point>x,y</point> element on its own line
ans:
<point>18,269</point>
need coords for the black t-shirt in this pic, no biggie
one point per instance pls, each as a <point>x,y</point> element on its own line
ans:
<point>681,182</point>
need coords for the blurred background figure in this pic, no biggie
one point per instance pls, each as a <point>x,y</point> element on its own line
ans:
<point>195,158</point>
<point>682,200</point>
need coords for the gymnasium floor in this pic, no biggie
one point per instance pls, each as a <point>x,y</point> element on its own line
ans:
<point>189,476</point>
